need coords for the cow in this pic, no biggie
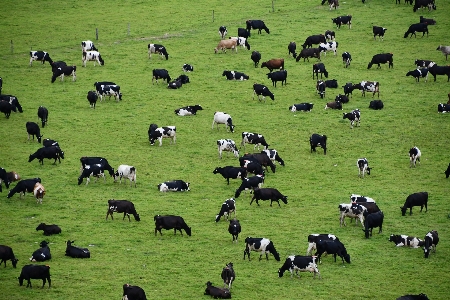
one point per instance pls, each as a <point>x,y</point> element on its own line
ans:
<point>346,59</point>
<point>422,63</point>
<point>434,70</point>
<point>273,156</point>
<point>447,172</point>
<point>445,50</point>
<point>227,145</point>
<point>334,105</point>
<point>405,240</point>
<point>307,53</point>
<point>274,63</point>
<point>255,139</point>
<point>226,44</point>
<point>378,31</point>
<point>257,24</point>
<point>291,49</point>
<point>332,3</point>
<point>261,158</point>
<point>52,152</point>
<point>49,229</point>
<point>234,75</point>
<point>92,98</point>
<point>418,27</point>
<point>35,272</point>
<point>223,118</point>
<point>341,20</point>
<point>317,140</point>
<point>416,199</point>
<point>301,107</point>
<point>188,110</point>
<point>424,3</point>
<point>33,130</point>
<point>321,88</point>
<point>6,253</point>
<point>223,32</point>
<point>171,222</point>
<point>381,58</point>
<point>313,40</point>
<point>332,83</point>
<point>23,186</point>
<point>278,76</point>
<point>1,85</point>
<point>420,296</point>
<point>161,74</point>
<point>39,192</point>
<point>6,108</point>
<point>175,84</point>
<point>43,115</point>
<point>262,90</point>
<point>341,98</point>
<point>368,86</point>
<point>133,292</point>
<point>330,35</point>
<point>12,176</point>
<point>163,132</point>
<point>96,171</point>
<point>41,56</point>
<point>250,184</point>
<point>76,252</point>
<point>99,161</point>
<point>94,56</point>
<point>241,41</point>
<point>355,211</point>
<point>88,46</point>
<point>262,245</point>
<point>252,165</point>
<point>363,167</point>
<point>355,198</point>
<point>242,32</point>
<point>334,247</point>
<point>234,228</point>
<point>109,90</point>
<point>4,178</point>
<point>64,71</point>
<point>414,155</point>
<point>319,68</point>
<point>231,172</point>
<point>126,171</point>
<point>373,220</point>
<point>419,73</point>
<point>349,88</point>
<point>428,21</point>
<point>315,237</point>
<point>443,108</point>
<point>187,68</point>
<point>299,263</point>
<point>159,49</point>
<point>216,292</point>
<point>122,206</point>
<point>41,254</point>
<point>329,46</point>
<point>174,186</point>
<point>431,240</point>
<point>228,275</point>
<point>268,194</point>
<point>256,57</point>
<point>226,209</point>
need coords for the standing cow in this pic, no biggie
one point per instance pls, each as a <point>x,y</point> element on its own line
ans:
<point>416,199</point>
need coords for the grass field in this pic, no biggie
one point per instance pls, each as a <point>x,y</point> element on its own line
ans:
<point>174,267</point>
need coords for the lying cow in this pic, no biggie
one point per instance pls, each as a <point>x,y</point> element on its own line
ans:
<point>405,240</point>
<point>174,186</point>
<point>42,254</point>
<point>216,292</point>
<point>76,252</point>
<point>49,229</point>
<point>188,110</point>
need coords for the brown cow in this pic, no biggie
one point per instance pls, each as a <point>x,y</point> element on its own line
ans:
<point>275,63</point>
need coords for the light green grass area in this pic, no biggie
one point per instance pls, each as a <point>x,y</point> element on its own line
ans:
<point>175,267</point>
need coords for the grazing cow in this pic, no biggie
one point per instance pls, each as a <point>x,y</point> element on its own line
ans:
<point>373,220</point>
<point>257,24</point>
<point>260,158</point>
<point>299,263</point>
<point>250,184</point>
<point>77,252</point>
<point>317,140</point>
<point>291,49</point>
<point>307,53</point>
<point>272,64</point>
<point>346,59</point>
<point>226,44</point>
<point>371,207</point>
<point>242,32</point>
<point>39,192</point>
<point>268,194</point>
<point>416,199</point>
<point>49,229</point>
<point>43,115</point>
<point>342,20</point>
<point>376,104</point>
<point>171,222</point>
<point>6,253</point>
<point>99,85</point>
<point>174,186</point>
<point>223,32</point>
<point>161,74</point>
<point>35,272</point>
<point>315,237</point>
<point>52,152</point>
<point>368,86</point>
<point>319,68</point>
<point>320,88</point>
<point>334,105</point>
<point>41,56</point>
<point>349,88</point>
<point>233,75</point>
<point>188,110</point>
<point>4,178</point>
<point>424,3</point>
<point>187,68</point>
<point>330,35</point>
<point>227,145</point>
<point>126,171</point>
<point>228,275</point>
<point>92,98</point>
<point>363,167</point>
<point>234,229</point>
<point>34,130</point>
<point>122,206</point>
<point>341,98</point>
<point>431,240</point>
<point>92,56</point>
<point>278,76</point>
<point>96,171</point>
<point>133,292</point>
<point>447,172</point>
<point>231,172</point>
<point>254,138</point>
<point>405,240</point>
<point>223,118</point>
<point>418,73</point>
<point>421,63</point>
<point>428,21</point>
<point>226,209</point>
<point>418,27</point>
<point>216,292</point>
<point>301,107</point>
<point>443,108</point>
<point>410,296</point>
<point>252,165</point>
<point>273,156</point>
<point>355,211</point>
<point>99,161</point>
<point>445,50</point>
<point>41,254</point>
<point>88,46</point>
<point>332,83</point>
<point>262,90</point>
<point>23,186</point>
<point>262,245</point>
<point>313,40</point>
<point>355,198</point>
<point>6,108</point>
<point>379,31</point>
<point>65,70</point>
<point>157,49</point>
<point>163,132</point>
<point>334,247</point>
<point>439,70</point>
<point>256,57</point>
<point>241,41</point>
<point>381,58</point>
<point>328,46</point>
<point>414,155</point>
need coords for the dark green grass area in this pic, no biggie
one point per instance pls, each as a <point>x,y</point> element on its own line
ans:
<point>174,267</point>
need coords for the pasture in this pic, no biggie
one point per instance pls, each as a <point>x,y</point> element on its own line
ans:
<point>175,267</point>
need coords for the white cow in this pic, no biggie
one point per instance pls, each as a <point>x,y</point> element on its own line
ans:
<point>126,171</point>
<point>328,46</point>
<point>227,145</point>
<point>92,56</point>
<point>222,118</point>
<point>88,46</point>
<point>354,211</point>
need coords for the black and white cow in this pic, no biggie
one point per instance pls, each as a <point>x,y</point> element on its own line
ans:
<point>431,240</point>
<point>353,210</point>
<point>377,30</point>
<point>241,41</point>
<point>86,162</point>
<point>301,107</point>
<point>349,88</point>
<point>163,132</point>
<point>405,240</point>
<point>41,254</point>
<point>223,118</point>
<point>64,71</point>
<point>49,229</point>
<point>171,222</point>
<point>226,209</point>
<point>376,104</point>
<point>122,206</point>
<point>421,63</point>
<point>363,167</point>
<point>317,140</point>
<point>88,46</point>
<point>35,272</point>
<point>268,194</point>
<point>255,139</point>
<point>52,152</point>
<point>234,228</point>
<point>43,115</point>
<point>355,198</point>
<point>33,130</point>
<point>414,156</point>
<point>368,86</point>
<point>188,110</point>
<point>133,292</point>
<point>321,88</point>
<point>346,59</point>
<point>330,35</point>
<point>342,98</point>
<point>319,68</point>
<point>424,3</point>
<point>231,172</point>
<point>354,117</point>
<point>278,76</point>
<point>41,56</point>
<point>76,252</point>
<point>419,73</point>
<point>217,292</point>
<point>273,156</point>
<point>329,46</point>
<point>233,75</point>
<point>443,108</point>
<point>92,56</point>
<point>416,199</point>
<point>299,263</point>
<point>92,98</point>
<point>223,32</point>
<point>161,74</point>
<point>373,220</point>
<point>342,20</point>
<point>313,40</point>
<point>156,48</point>
<point>6,253</point>
<point>250,184</point>
<point>187,68</point>
<point>256,24</point>
<point>381,58</point>
<point>23,186</point>
<point>228,275</point>
<point>418,27</point>
<point>262,90</point>
<point>334,247</point>
<point>174,186</point>
<point>291,49</point>
<point>315,237</point>
<point>96,171</point>
<point>262,245</point>
<point>256,57</point>
<point>126,171</point>
<point>227,145</point>
<point>260,158</point>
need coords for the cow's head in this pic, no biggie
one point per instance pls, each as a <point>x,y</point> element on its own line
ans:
<point>368,170</point>
<point>403,209</point>
<point>80,180</point>
<point>284,199</point>
<point>447,172</point>
<point>39,138</point>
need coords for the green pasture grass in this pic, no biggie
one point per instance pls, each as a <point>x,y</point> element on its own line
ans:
<point>174,267</point>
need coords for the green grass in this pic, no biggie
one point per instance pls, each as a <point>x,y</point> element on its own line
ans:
<point>172,267</point>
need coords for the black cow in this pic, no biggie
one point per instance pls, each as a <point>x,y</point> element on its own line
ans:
<point>4,178</point>
<point>6,108</point>
<point>307,53</point>
<point>41,254</point>
<point>424,3</point>
<point>133,292</point>
<point>249,184</point>
<point>77,252</point>
<point>95,170</point>
<point>321,88</point>
<point>92,98</point>
<point>223,31</point>
<point>6,253</point>
<point>52,152</point>
<point>343,20</point>
<point>262,90</point>
<point>378,31</point>
<point>24,186</point>
<point>174,186</point>
<point>183,79</point>
<point>428,21</point>
<point>262,245</point>
<point>341,98</point>
<point>161,74</point>
<point>256,24</point>
<point>416,199</point>
<point>216,292</point>
<point>349,88</point>
<point>413,297</point>
<point>330,35</point>
<point>354,117</point>
<point>256,57</point>
<point>15,105</point>
<point>371,207</point>
<point>315,237</point>
<point>41,56</point>
<point>64,71</point>
<point>319,68</point>
<point>431,240</point>
<point>268,194</point>
<point>234,229</point>
<point>49,143</point>
<point>278,76</point>
<point>299,263</point>
<point>291,49</point>
<point>422,63</point>
<point>332,83</point>
<point>313,40</point>
<point>317,140</point>
<point>439,70</point>
<point>90,161</point>
<point>228,275</point>
<point>176,84</point>
<point>188,110</point>
<point>418,27</point>
<point>35,272</point>
<point>233,75</point>
<point>373,220</point>
<point>447,172</point>
<point>171,222</point>
<point>122,206</point>
<point>418,73</point>
<point>226,209</point>
<point>346,59</point>
<point>334,247</point>
<point>262,158</point>
<point>242,32</point>
<point>163,132</point>
<point>376,104</point>
<point>49,229</point>
<point>381,58</point>
<point>231,172</point>
<point>34,130</point>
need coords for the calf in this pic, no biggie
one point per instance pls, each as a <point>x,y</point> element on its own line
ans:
<point>315,237</point>
<point>126,171</point>
<point>88,46</point>
<point>321,88</point>
<point>405,240</point>
<point>77,252</point>
<point>273,156</point>
<point>334,105</point>
<point>332,247</point>
<point>223,32</point>
<point>52,152</point>
<point>363,167</point>
<point>439,70</point>
<point>227,145</point>
<point>33,130</point>
<point>35,272</point>
<point>223,118</point>
<point>419,27</point>
<point>268,194</point>
<point>256,24</point>
<point>174,186</point>
<point>226,209</point>
<point>317,140</point>
<point>228,275</point>
<point>23,186</point>
<point>256,57</point>
<point>262,245</point>
<point>445,50</point>
<point>96,171</point>
<point>307,53</point>
<point>443,108</point>
<point>188,110</point>
<point>49,229</point>
<point>381,59</point>
<point>39,192</point>
<point>278,76</point>
<point>231,172</point>
<point>216,292</point>
<point>343,20</point>
<point>133,292</point>
<point>157,49</point>
<point>250,184</point>
<point>319,68</point>
<point>341,98</point>
<point>428,21</point>
<point>41,56</point>
<point>254,139</point>
<point>291,49</point>
<point>430,242</point>
<point>43,115</point>
<point>355,211</point>
<point>262,90</point>
<point>6,253</point>
<point>161,74</point>
<point>418,73</point>
<point>41,254</point>
<point>373,220</point>
<point>378,31</point>
<point>416,199</point>
<point>346,59</point>
<point>122,206</point>
<point>313,40</point>
<point>414,155</point>
<point>299,263</point>
<point>376,104</point>
<point>226,44</point>
<point>187,68</point>
<point>65,70</point>
<point>368,86</point>
<point>92,98</point>
<point>330,35</point>
<point>171,222</point>
<point>275,63</point>
<point>301,107</point>
<point>328,46</point>
<point>234,229</point>
<point>163,132</point>
<point>92,56</point>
